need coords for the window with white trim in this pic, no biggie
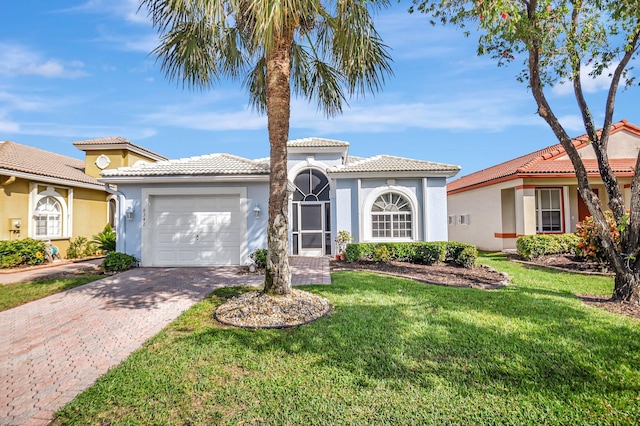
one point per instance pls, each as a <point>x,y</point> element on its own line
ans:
<point>391,217</point>
<point>548,210</point>
<point>48,218</point>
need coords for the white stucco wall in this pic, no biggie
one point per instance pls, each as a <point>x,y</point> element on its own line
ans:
<point>436,210</point>
<point>484,209</point>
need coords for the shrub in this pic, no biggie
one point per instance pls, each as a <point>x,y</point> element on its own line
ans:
<point>381,254</point>
<point>259,257</point>
<point>426,253</point>
<point>105,240</point>
<point>80,247</point>
<point>26,251</point>
<point>588,240</point>
<point>532,246</point>
<point>430,253</point>
<point>115,261</point>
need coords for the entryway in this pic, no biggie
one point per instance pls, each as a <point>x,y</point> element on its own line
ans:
<point>311,214</point>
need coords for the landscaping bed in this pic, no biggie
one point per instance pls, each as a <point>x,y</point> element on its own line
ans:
<point>480,276</point>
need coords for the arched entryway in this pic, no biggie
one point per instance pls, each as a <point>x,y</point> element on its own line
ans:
<point>311,218</point>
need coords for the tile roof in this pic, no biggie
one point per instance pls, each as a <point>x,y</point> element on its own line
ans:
<point>212,164</point>
<point>388,163</point>
<point>316,143</point>
<point>117,140</point>
<point>27,159</point>
<point>543,161</point>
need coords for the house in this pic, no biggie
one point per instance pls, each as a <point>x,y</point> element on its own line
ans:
<point>212,209</point>
<point>536,193</point>
<point>48,196</point>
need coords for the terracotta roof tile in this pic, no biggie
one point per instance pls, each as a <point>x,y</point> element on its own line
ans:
<point>543,161</point>
<point>212,164</point>
<point>27,159</point>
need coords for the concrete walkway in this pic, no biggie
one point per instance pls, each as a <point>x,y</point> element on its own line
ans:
<point>44,271</point>
<point>56,347</point>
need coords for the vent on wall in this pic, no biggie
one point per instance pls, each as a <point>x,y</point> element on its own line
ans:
<point>451,220</point>
<point>463,219</point>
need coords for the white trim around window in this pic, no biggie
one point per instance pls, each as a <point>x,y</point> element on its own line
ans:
<point>49,212</point>
<point>366,216</point>
<point>549,210</point>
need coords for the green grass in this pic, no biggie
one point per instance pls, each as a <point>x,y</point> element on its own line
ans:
<point>393,352</point>
<point>12,295</point>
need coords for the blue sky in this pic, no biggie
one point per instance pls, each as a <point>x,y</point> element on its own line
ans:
<point>74,70</point>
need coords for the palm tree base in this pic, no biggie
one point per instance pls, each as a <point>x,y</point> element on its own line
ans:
<point>260,310</point>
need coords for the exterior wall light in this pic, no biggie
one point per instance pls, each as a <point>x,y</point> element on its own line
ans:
<point>129,212</point>
<point>256,211</point>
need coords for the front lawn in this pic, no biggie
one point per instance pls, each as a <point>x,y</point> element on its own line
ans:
<point>393,352</point>
<point>12,295</point>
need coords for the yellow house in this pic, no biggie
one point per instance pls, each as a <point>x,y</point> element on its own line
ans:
<point>49,196</point>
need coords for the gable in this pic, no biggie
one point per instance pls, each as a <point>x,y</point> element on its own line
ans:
<point>623,144</point>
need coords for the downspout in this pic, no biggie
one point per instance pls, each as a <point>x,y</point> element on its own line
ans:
<point>121,199</point>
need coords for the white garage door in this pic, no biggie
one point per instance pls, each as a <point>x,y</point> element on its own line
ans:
<point>195,230</point>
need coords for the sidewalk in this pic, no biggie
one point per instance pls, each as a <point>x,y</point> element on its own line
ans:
<point>31,274</point>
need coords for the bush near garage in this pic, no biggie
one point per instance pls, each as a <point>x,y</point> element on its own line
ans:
<point>426,253</point>
<point>532,246</point>
<point>26,251</point>
<point>115,261</point>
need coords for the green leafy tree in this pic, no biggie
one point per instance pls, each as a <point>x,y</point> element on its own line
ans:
<point>322,50</point>
<point>563,42</point>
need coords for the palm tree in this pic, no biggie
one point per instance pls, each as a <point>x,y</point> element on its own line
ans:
<point>323,50</point>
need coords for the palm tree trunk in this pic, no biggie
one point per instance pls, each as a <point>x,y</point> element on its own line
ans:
<point>278,274</point>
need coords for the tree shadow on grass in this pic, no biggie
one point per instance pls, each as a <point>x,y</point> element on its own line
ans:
<point>494,343</point>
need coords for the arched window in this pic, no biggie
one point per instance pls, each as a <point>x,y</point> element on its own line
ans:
<point>311,185</point>
<point>391,217</point>
<point>48,218</point>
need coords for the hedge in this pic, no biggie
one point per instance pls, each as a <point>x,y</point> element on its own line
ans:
<point>419,252</point>
<point>532,246</point>
<point>25,251</point>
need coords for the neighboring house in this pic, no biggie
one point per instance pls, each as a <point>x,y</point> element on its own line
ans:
<point>48,196</point>
<point>212,209</point>
<point>536,193</point>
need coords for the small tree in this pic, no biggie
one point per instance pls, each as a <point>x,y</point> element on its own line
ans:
<point>561,41</point>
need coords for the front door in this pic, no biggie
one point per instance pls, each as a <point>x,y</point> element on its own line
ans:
<point>311,221</point>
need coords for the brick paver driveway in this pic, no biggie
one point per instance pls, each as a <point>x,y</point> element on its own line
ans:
<point>54,348</point>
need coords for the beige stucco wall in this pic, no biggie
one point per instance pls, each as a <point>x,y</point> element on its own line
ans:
<point>484,207</point>
<point>621,145</point>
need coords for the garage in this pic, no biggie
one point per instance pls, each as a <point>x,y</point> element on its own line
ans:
<point>194,230</point>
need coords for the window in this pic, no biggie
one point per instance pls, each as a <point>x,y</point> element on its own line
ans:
<point>112,212</point>
<point>391,217</point>
<point>548,210</point>
<point>48,218</point>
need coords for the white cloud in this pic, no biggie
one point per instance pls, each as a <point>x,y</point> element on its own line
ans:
<point>589,84</point>
<point>19,60</point>
<point>127,9</point>
<point>82,131</point>
<point>472,111</point>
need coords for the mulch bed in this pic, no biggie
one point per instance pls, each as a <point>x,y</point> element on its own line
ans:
<point>259,310</point>
<point>480,276</point>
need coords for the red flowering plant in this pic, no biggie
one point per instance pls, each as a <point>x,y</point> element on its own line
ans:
<point>589,246</point>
